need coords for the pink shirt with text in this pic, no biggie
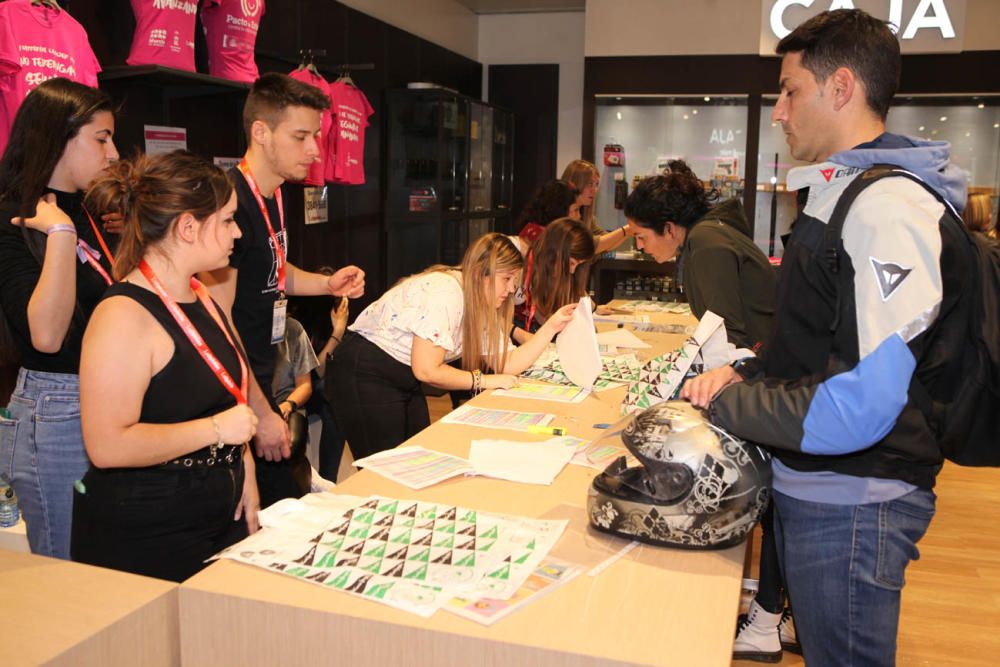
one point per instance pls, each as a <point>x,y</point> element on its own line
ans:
<point>351,111</point>
<point>164,33</point>
<point>230,35</point>
<point>316,172</point>
<point>37,44</point>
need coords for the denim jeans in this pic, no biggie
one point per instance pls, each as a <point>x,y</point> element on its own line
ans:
<point>844,566</point>
<point>42,454</point>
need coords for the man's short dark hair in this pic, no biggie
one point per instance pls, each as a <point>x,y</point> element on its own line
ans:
<point>272,93</point>
<point>853,39</point>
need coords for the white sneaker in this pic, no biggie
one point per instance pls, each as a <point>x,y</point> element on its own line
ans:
<point>757,636</point>
<point>786,633</point>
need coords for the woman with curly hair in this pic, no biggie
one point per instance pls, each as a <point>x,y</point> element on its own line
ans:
<point>721,268</point>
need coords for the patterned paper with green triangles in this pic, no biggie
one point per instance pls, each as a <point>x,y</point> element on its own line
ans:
<point>614,371</point>
<point>414,555</point>
<point>660,378</point>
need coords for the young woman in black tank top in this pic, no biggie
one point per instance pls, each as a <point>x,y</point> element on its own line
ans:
<point>163,381</point>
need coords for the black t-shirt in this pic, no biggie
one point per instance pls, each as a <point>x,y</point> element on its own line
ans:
<point>257,281</point>
<point>19,274</point>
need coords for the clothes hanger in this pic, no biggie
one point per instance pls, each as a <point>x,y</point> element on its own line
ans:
<point>345,77</point>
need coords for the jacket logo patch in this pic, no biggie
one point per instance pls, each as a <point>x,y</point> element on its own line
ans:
<point>889,277</point>
<point>827,174</point>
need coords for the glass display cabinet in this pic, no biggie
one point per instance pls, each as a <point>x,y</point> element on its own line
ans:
<point>442,186</point>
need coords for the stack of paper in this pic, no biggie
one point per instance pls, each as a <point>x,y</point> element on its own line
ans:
<point>527,462</point>
<point>415,467</point>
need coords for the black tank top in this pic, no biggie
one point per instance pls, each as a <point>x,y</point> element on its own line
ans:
<point>186,388</point>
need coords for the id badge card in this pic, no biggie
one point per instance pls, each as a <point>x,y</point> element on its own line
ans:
<point>278,321</point>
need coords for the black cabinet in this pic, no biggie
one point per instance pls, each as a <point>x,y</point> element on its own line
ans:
<point>448,176</point>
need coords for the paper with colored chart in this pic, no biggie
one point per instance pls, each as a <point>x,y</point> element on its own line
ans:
<point>548,576</point>
<point>544,392</point>
<point>412,555</point>
<point>519,461</point>
<point>511,420</point>
<point>415,466</point>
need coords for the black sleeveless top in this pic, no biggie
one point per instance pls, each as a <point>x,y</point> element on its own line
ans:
<point>186,388</point>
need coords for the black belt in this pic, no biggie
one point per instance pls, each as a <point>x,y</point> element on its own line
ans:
<point>228,455</point>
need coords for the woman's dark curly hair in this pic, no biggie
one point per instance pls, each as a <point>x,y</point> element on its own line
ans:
<point>550,202</point>
<point>676,196</point>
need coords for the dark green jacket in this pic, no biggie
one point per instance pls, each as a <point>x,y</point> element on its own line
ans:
<point>724,271</point>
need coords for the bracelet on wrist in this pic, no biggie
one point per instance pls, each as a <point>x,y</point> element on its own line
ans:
<point>333,337</point>
<point>213,448</point>
<point>62,227</point>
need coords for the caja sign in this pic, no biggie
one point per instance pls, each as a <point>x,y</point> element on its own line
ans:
<point>923,26</point>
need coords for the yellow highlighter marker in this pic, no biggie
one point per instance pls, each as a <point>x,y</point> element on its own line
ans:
<point>547,430</point>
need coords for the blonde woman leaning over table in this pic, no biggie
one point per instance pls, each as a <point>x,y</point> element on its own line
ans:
<point>409,335</point>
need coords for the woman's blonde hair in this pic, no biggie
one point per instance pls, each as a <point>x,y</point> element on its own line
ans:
<point>485,328</point>
<point>978,211</point>
<point>580,173</point>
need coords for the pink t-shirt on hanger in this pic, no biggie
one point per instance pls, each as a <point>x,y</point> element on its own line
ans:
<point>164,33</point>
<point>318,169</point>
<point>346,147</point>
<point>230,35</point>
<point>37,44</point>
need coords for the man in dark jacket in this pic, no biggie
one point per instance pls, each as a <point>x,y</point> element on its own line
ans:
<point>721,268</point>
<point>855,459</point>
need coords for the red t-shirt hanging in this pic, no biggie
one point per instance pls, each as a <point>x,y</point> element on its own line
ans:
<point>317,171</point>
<point>164,33</point>
<point>230,35</point>
<point>346,147</point>
<point>37,44</point>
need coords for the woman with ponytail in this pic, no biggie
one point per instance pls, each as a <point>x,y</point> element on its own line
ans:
<point>165,416</point>
<point>410,334</point>
<point>56,265</point>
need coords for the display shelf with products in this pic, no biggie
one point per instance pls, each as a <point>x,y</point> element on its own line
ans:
<point>637,136</point>
<point>633,278</point>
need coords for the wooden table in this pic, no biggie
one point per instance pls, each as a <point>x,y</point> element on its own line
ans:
<point>61,613</point>
<point>655,606</point>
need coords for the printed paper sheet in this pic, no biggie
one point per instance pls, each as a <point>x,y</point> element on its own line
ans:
<point>415,466</point>
<point>510,420</point>
<point>411,555</point>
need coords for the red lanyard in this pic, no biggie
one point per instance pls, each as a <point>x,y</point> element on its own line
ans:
<point>100,239</point>
<point>238,392</point>
<point>92,255</point>
<point>279,251</point>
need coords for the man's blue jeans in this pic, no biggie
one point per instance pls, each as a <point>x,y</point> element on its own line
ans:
<point>42,454</point>
<point>844,565</point>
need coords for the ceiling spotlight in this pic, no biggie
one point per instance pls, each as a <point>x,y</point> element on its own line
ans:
<point>694,112</point>
<point>708,99</point>
<point>980,106</point>
<point>943,118</point>
<point>618,99</point>
<point>618,114</point>
<point>685,116</point>
<point>774,125</point>
<point>968,134</point>
<point>920,129</point>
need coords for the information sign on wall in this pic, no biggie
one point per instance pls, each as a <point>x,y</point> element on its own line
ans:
<point>923,26</point>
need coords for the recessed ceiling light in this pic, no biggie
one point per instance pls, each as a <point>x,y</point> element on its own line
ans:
<point>708,99</point>
<point>618,114</point>
<point>694,111</point>
<point>981,106</point>
<point>968,134</point>
<point>774,125</point>
<point>920,129</point>
<point>618,99</point>
<point>685,116</point>
<point>943,119</point>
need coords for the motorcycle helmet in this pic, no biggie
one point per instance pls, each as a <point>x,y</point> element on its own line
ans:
<point>697,487</point>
